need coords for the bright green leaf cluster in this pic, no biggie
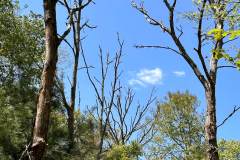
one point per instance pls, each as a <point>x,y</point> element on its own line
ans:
<point>220,33</point>
<point>217,33</point>
<point>217,53</point>
<point>179,129</point>
<point>124,152</point>
<point>229,150</point>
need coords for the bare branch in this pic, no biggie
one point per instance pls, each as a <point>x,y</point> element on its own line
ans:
<point>175,38</point>
<point>64,35</point>
<point>151,20</point>
<point>26,151</point>
<point>229,116</point>
<point>60,87</point>
<point>219,67</point>
<point>200,42</point>
<point>160,47</point>
<point>180,46</point>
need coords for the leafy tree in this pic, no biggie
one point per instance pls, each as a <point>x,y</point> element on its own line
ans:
<point>179,129</point>
<point>124,152</point>
<point>21,48</point>
<point>229,149</point>
<point>85,140</point>
<point>231,32</point>
<point>209,13</point>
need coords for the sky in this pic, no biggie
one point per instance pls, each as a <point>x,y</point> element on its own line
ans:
<point>144,69</point>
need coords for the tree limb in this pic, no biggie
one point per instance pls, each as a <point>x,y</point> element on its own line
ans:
<point>229,116</point>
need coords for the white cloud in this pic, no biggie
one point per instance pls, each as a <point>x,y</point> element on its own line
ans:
<point>133,82</point>
<point>179,73</point>
<point>147,76</point>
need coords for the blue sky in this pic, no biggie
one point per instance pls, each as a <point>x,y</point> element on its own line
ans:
<point>146,68</point>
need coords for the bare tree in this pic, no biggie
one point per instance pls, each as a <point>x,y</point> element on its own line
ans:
<point>103,104</point>
<point>75,21</point>
<point>206,75</point>
<point>117,120</point>
<point>128,119</point>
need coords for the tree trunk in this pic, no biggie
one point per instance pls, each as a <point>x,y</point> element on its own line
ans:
<point>210,91</point>
<point>210,125</point>
<point>40,130</point>
<point>73,92</point>
<point>70,120</point>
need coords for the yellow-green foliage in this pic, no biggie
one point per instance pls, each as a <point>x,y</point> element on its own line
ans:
<point>124,152</point>
<point>179,129</point>
<point>219,34</point>
<point>229,150</point>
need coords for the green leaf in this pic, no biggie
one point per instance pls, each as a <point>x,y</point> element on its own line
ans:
<point>217,33</point>
<point>218,54</point>
<point>234,34</point>
<point>237,63</point>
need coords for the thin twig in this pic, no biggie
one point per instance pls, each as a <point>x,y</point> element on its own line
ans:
<point>160,47</point>
<point>229,116</point>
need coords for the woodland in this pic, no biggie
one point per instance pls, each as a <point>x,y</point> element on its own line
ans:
<point>41,118</point>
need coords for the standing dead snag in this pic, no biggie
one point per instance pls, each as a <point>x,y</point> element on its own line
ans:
<point>75,21</point>
<point>47,81</point>
<point>105,105</point>
<point>128,120</point>
<point>208,76</point>
<point>52,41</point>
<point>119,120</point>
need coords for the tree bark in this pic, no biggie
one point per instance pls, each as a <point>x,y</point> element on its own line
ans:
<point>76,34</point>
<point>70,120</point>
<point>71,108</point>
<point>210,125</point>
<point>210,91</point>
<point>40,130</point>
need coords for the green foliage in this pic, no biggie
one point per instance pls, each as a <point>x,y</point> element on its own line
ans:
<point>229,150</point>
<point>86,133</point>
<point>180,132</point>
<point>229,11</point>
<point>124,152</point>
<point>15,124</point>
<point>220,33</point>
<point>21,47</point>
<point>219,54</point>
<point>85,140</point>
<point>237,63</point>
<point>179,129</point>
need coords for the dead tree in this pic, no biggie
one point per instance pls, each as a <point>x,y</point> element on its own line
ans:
<point>76,24</point>
<point>105,103</point>
<point>47,81</point>
<point>129,119</point>
<point>207,75</point>
<point>116,124</point>
<point>52,42</point>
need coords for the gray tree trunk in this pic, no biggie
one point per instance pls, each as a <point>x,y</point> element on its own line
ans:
<point>210,125</point>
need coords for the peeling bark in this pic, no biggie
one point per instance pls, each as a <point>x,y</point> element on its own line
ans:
<point>40,130</point>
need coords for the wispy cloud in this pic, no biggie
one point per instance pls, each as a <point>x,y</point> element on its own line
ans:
<point>133,82</point>
<point>147,77</point>
<point>179,73</point>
